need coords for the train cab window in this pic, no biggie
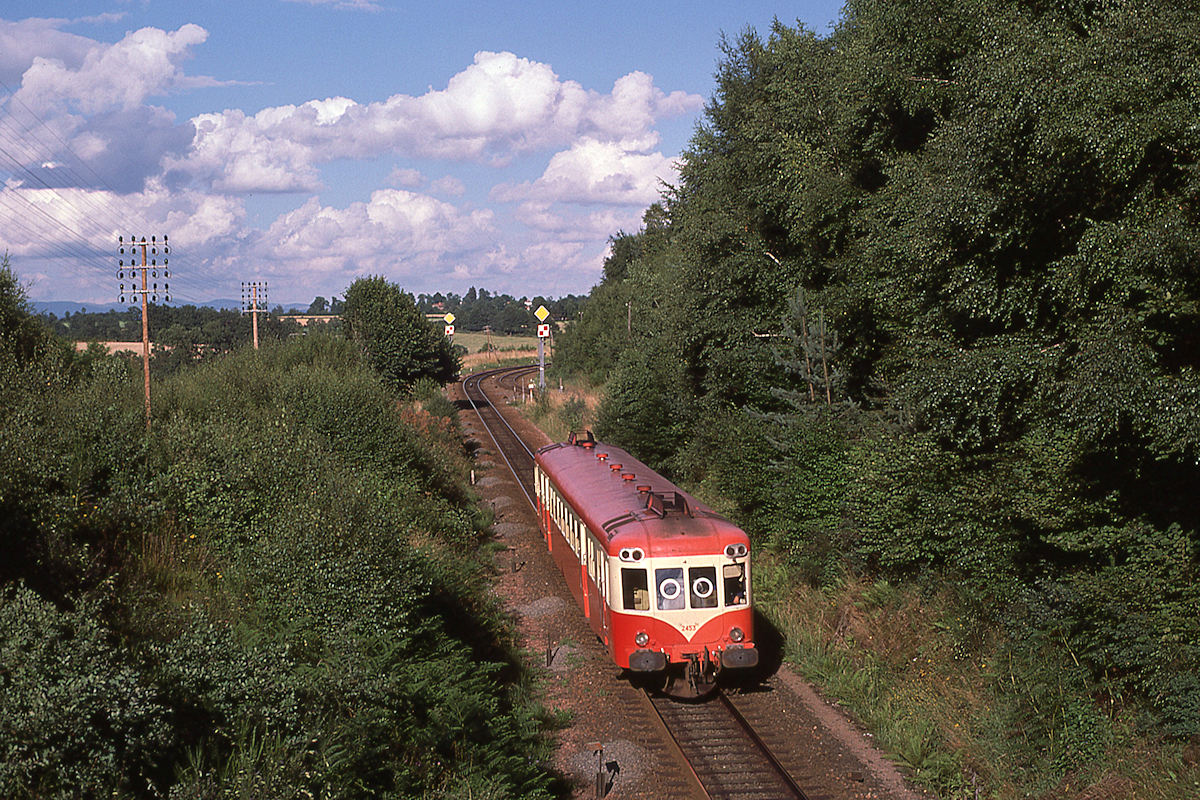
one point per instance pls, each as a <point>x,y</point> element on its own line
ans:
<point>734,577</point>
<point>702,582</point>
<point>670,588</point>
<point>634,592</point>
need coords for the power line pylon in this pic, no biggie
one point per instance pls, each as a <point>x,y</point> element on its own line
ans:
<point>250,298</point>
<point>149,287</point>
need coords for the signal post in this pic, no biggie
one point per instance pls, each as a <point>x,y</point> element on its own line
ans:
<point>543,332</point>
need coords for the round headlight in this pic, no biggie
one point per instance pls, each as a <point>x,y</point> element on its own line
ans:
<point>642,639</point>
<point>736,634</point>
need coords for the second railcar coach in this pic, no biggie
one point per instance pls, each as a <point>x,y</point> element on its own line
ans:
<point>663,580</point>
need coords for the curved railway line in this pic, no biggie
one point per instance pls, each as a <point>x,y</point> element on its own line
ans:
<point>718,749</point>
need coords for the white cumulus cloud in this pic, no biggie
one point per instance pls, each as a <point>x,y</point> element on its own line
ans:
<point>122,75</point>
<point>24,40</point>
<point>396,233</point>
<point>594,171</point>
<point>499,107</point>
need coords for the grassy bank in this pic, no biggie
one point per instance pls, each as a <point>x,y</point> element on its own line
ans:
<point>960,706</point>
<point>558,412</point>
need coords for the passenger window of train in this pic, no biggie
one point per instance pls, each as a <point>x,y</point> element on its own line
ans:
<point>703,583</point>
<point>734,576</point>
<point>670,588</point>
<point>634,592</point>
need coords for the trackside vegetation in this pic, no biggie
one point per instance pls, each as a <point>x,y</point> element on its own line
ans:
<point>923,314</point>
<point>394,335</point>
<point>270,595</point>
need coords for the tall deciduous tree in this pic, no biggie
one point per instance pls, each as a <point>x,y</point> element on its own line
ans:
<point>997,207</point>
<point>399,342</point>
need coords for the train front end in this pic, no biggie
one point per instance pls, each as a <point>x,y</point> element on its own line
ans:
<point>681,606</point>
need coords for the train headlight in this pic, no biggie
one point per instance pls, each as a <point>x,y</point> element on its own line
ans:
<point>736,634</point>
<point>735,550</point>
<point>642,639</point>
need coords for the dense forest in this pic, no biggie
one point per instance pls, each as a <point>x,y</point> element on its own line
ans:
<point>924,307</point>
<point>278,590</point>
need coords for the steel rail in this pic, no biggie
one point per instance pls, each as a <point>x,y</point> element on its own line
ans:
<point>731,760</point>
<point>766,751</point>
<point>677,747</point>
<point>477,381</point>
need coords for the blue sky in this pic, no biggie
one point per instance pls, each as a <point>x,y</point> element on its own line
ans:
<point>308,142</point>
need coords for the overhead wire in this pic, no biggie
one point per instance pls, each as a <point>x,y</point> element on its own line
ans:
<point>106,213</point>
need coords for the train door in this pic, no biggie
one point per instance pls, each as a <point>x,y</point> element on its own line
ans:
<point>584,550</point>
<point>602,583</point>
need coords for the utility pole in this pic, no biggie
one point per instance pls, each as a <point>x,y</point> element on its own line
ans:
<point>147,286</point>
<point>250,304</point>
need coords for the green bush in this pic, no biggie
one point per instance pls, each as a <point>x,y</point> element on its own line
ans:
<point>77,718</point>
<point>290,605</point>
<point>643,409</point>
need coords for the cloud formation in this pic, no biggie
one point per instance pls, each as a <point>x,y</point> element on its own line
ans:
<point>592,171</point>
<point>93,145</point>
<point>499,107</point>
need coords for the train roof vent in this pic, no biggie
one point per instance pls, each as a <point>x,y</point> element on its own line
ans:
<point>584,439</point>
<point>663,503</point>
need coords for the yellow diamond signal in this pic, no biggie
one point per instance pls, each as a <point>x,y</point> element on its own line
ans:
<point>541,313</point>
<point>449,319</point>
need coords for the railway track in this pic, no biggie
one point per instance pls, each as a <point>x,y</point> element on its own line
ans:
<point>510,447</point>
<point>718,748</point>
<point>726,754</point>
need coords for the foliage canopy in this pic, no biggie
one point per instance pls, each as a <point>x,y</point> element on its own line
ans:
<point>398,341</point>
<point>982,220</point>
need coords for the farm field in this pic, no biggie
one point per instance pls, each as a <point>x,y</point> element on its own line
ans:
<point>476,341</point>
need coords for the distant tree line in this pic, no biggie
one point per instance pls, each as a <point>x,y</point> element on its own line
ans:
<point>388,323</point>
<point>222,328</point>
<point>179,334</point>
<point>479,309</point>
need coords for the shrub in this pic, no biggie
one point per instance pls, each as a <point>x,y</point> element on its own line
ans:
<point>76,717</point>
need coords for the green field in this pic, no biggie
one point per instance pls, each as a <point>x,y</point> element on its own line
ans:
<point>475,341</point>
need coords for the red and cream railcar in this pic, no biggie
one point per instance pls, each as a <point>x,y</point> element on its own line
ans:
<point>663,580</point>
